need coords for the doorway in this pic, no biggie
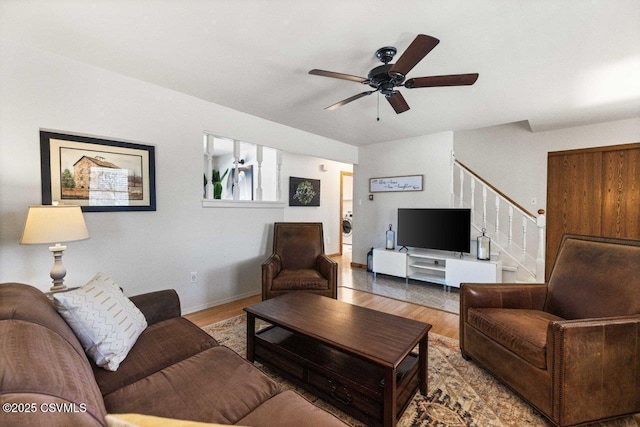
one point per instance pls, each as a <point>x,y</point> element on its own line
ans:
<point>346,212</point>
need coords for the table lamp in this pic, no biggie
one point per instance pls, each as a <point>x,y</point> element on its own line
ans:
<point>55,224</point>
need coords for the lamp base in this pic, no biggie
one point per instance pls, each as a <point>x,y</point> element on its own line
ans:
<point>58,271</point>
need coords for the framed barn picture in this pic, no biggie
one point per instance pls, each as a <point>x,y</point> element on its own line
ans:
<point>100,175</point>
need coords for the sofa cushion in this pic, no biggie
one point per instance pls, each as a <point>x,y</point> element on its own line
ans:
<point>105,321</point>
<point>39,366</point>
<point>159,346</point>
<point>299,279</point>
<point>215,386</point>
<point>524,332</point>
<point>289,409</point>
<point>24,302</point>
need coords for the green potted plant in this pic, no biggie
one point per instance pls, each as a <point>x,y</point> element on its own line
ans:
<point>217,183</point>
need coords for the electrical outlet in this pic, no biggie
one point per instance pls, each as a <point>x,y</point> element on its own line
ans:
<point>194,276</point>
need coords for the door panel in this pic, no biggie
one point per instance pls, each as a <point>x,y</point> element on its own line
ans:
<point>574,194</point>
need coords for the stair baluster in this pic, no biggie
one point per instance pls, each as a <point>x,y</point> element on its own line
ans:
<point>497,214</point>
<point>524,237</point>
<point>510,225</point>
<point>461,198</point>
<point>484,207</point>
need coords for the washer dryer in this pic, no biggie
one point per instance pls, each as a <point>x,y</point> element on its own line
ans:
<point>347,228</point>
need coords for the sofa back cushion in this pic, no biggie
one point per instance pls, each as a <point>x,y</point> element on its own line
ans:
<point>595,277</point>
<point>41,368</point>
<point>24,302</point>
<point>42,362</point>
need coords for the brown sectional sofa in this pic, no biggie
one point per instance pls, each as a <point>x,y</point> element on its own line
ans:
<point>174,370</point>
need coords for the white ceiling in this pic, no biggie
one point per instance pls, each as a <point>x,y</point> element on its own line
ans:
<point>555,63</point>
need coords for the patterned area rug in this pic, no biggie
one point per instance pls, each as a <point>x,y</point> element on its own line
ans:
<point>459,392</point>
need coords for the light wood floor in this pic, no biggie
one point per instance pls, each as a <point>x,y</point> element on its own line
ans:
<point>443,323</point>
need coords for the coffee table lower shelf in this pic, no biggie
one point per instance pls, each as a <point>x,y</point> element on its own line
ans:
<point>352,384</point>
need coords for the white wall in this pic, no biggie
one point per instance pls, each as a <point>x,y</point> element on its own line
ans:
<point>514,159</point>
<point>329,210</point>
<point>142,251</point>
<point>429,155</point>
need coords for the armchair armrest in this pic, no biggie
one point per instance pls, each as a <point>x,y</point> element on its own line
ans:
<point>158,306</point>
<point>329,269</point>
<point>504,295</point>
<point>595,362</point>
<point>326,265</point>
<point>271,266</point>
<point>270,269</point>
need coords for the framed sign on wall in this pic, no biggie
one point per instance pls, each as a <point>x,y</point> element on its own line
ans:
<point>396,183</point>
<point>304,191</point>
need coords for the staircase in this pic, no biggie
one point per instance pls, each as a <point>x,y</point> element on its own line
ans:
<point>517,236</point>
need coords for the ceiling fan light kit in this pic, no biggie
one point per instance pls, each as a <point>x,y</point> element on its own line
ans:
<point>387,77</point>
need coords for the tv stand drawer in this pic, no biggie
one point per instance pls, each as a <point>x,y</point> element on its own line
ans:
<point>390,262</point>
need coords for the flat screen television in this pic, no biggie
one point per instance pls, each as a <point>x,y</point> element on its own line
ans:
<point>436,228</point>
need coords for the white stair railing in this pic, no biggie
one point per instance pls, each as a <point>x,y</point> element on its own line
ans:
<point>519,248</point>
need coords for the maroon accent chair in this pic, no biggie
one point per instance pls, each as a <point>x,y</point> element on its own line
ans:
<point>569,347</point>
<point>298,262</point>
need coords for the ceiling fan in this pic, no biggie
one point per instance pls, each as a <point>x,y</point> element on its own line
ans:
<point>385,78</point>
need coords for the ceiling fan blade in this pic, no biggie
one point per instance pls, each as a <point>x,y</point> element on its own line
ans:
<point>348,100</point>
<point>398,102</point>
<point>418,49</point>
<point>338,76</point>
<point>435,81</point>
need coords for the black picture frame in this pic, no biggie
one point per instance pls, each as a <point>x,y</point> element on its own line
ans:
<point>107,175</point>
<point>304,191</point>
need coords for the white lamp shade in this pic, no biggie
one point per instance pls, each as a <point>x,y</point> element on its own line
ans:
<point>54,224</point>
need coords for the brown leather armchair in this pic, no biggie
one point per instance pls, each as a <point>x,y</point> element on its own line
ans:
<point>570,347</point>
<point>298,262</point>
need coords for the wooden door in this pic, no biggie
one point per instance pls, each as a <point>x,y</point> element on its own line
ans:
<point>594,191</point>
<point>621,218</point>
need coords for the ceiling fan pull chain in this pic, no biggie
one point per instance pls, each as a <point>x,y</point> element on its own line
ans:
<point>378,118</point>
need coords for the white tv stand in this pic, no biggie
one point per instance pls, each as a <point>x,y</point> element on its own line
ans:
<point>440,267</point>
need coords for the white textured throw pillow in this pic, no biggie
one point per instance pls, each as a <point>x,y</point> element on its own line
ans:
<point>105,321</point>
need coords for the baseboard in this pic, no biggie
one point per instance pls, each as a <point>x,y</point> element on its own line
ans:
<point>219,302</point>
<point>358,265</point>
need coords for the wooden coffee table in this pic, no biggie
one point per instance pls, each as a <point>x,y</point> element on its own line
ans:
<point>358,359</point>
